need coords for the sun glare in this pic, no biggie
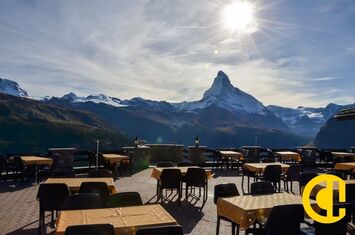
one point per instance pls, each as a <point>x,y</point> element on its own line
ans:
<point>239,17</point>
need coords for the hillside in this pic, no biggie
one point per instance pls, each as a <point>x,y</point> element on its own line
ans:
<point>27,125</point>
<point>336,134</point>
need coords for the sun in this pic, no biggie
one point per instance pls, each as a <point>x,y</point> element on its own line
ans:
<point>239,17</point>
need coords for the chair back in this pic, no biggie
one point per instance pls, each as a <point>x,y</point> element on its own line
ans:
<point>90,229</point>
<point>63,173</point>
<point>196,177</point>
<point>82,201</point>
<point>101,160</point>
<point>52,196</point>
<point>321,155</point>
<point>170,178</point>
<point>272,173</point>
<point>92,157</point>
<point>305,177</point>
<point>165,164</point>
<point>99,188</point>
<point>294,172</point>
<point>348,158</point>
<point>350,194</point>
<point>100,173</point>
<point>161,230</point>
<point>285,219</point>
<point>124,199</point>
<point>2,163</point>
<point>328,156</point>
<point>339,174</point>
<point>225,190</point>
<point>18,163</point>
<point>338,228</point>
<point>261,188</point>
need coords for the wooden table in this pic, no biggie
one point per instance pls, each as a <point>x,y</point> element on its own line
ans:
<point>345,166</point>
<point>231,154</point>
<point>260,167</point>
<point>343,155</point>
<point>288,155</point>
<point>116,158</point>
<point>74,183</point>
<point>35,160</point>
<point>246,209</point>
<point>230,157</point>
<point>323,185</point>
<point>157,171</point>
<point>126,220</point>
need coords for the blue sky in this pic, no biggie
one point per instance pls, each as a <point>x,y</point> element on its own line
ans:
<point>300,53</point>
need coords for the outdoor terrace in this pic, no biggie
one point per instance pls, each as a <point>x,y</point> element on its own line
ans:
<point>20,210</point>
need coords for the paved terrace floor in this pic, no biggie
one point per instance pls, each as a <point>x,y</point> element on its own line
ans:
<point>19,207</point>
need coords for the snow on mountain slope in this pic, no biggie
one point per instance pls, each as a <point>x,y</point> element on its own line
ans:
<point>12,88</point>
<point>224,95</point>
<point>317,115</point>
<point>95,99</point>
<point>305,120</point>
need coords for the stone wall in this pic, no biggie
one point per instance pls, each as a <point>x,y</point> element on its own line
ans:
<point>140,157</point>
<point>165,152</point>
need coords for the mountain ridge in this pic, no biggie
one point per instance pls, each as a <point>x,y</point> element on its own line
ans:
<point>28,125</point>
<point>223,108</point>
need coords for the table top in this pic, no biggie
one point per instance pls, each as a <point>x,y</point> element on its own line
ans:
<point>114,155</point>
<point>335,187</point>
<point>260,167</point>
<point>157,171</point>
<point>287,153</point>
<point>343,154</point>
<point>126,220</point>
<point>247,208</point>
<point>229,152</point>
<point>116,158</point>
<point>35,160</point>
<point>74,183</point>
<point>345,166</point>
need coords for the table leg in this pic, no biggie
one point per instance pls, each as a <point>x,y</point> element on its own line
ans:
<point>36,173</point>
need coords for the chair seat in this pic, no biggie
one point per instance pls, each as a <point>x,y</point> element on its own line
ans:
<point>255,231</point>
<point>308,231</point>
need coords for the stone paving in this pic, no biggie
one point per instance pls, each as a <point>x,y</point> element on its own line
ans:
<point>19,207</point>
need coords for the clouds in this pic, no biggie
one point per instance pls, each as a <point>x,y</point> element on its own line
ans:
<point>164,50</point>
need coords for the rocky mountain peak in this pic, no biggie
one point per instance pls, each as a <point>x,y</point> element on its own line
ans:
<point>12,88</point>
<point>221,84</point>
<point>70,96</point>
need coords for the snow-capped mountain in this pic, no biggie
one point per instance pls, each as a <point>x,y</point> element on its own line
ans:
<point>12,88</point>
<point>95,99</point>
<point>224,95</point>
<point>306,120</point>
<point>237,108</point>
<point>136,102</point>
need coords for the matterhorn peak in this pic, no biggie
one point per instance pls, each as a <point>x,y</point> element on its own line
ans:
<point>221,84</point>
<point>222,78</point>
<point>12,88</point>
